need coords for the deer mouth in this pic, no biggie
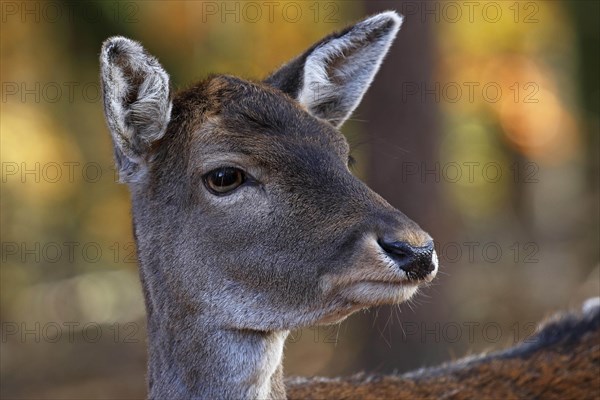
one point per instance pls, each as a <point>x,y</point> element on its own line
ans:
<point>379,274</point>
<point>381,279</point>
<point>359,295</point>
<point>375,293</point>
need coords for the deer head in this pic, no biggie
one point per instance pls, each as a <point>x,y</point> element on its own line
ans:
<point>247,218</point>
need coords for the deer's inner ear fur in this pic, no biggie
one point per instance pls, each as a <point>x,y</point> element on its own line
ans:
<point>331,77</point>
<point>137,102</point>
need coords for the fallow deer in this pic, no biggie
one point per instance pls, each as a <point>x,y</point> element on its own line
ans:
<point>247,219</point>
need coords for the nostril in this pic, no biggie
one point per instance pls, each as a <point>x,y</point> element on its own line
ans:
<point>398,250</point>
<point>415,261</point>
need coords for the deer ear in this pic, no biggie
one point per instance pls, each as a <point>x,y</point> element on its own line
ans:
<point>137,102</point>
<point>331,77</point>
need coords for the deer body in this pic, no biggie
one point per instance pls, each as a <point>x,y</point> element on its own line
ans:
<point>247,219</point>
<point>561,361</point>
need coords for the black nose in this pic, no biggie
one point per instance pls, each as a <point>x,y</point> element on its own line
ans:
<point>417,262</point>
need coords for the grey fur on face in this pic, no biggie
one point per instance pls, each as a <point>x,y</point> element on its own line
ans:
<point>297,243</point>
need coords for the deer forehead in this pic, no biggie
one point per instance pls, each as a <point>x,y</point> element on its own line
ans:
<point>234,115</point>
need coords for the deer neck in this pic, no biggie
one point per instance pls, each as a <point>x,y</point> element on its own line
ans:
<point>192,357</point>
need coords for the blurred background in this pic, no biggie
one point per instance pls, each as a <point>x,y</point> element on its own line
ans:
<point>482,126</point>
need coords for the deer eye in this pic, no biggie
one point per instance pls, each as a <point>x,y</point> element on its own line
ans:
<point>221,181</point>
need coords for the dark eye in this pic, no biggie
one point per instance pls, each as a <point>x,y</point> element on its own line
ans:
<point>221,181</point>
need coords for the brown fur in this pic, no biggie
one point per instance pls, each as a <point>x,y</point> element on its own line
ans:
<point>561,362</point>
